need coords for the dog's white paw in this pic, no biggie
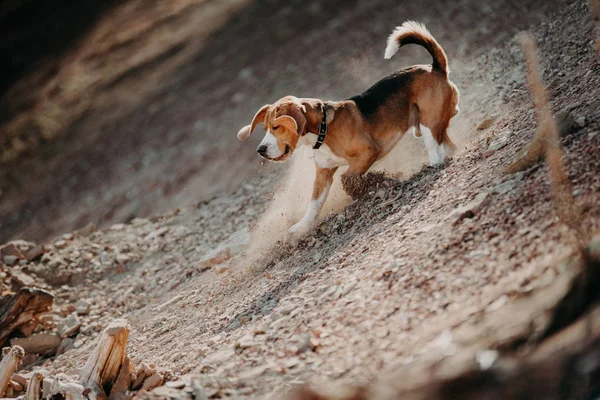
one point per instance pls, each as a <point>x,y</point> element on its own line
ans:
<point>300,229</point>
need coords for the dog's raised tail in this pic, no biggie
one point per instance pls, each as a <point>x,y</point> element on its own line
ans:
<point>412,32</point>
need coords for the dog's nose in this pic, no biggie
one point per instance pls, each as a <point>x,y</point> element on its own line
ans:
<point>262,149</point>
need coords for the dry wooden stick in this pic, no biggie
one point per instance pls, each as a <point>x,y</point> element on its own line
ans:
<point>102,367</point>
<point>10,361</point>
<point>34,388</point>
<point>546,143</point>
<point>123,382</point>
<point>20,309</point>
<point>66,390</point>
<point>536,149</point>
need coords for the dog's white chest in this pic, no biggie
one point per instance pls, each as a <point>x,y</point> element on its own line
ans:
<point>325,158</point>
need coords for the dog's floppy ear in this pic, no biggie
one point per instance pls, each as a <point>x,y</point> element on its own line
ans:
<point>330,113</point>
<point>288,122</point>
<point>245,132</point>
<point>298,115</point>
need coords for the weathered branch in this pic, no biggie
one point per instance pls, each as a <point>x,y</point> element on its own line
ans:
<point>66,390</point>
<point>34,388</point>
<point>546,143</point>
<point>102,367</point>
<point>123,382</point>
<point>10,361</point>
<point>19,309</point>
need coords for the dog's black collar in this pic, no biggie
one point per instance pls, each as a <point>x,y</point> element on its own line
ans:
<point>322,128</point>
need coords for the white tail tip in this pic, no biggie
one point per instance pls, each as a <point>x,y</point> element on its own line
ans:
<point>407,27</point>
<point>392,47</point>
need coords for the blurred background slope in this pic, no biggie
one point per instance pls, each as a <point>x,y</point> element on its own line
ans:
<point>111,110</point>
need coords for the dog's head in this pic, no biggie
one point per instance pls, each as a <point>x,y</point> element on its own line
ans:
<point>284,123</point>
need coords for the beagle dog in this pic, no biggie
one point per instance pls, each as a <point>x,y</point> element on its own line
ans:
<point>362,129</point>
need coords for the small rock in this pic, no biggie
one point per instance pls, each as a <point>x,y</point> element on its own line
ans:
<point>122,258</point>
<point>252,373</point>
<point>233,246</point>
<point>82,307</point>
<point>580,121</point>
<point>246,342</point>
<point>175,384</point>
<point>139,221</point>
<point>17,248</point>
<point>291,362</point>
<point>165,391</point>
<point>157,233</point>
<point>504,187</point>
<point>153,381</point>
<point>445,343</point>
<point>591,135</point>
<point>497,304</point>
<point>286,309</point>
<point>117,227</point>
<point>486,123</point>
<point>10,260</point>
<point>486,358</point>
<point>66,345</point>
<point>69,326</point>
<point>469,210</point>
<point>60,244</point>
<point>347,287</point>
<point>498,143</point>
<point>35,252</point>
<point>214,258</point>
<point>565,122</point>
<point>86,230</point>
<point>22,279</point>
<point>197,389</point>
<point>220,356</point>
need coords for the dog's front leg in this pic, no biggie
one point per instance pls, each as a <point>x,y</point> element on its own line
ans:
<point>352,180</point>
<point>321,187</point>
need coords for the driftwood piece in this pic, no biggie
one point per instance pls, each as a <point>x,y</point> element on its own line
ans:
<point>123,382</point>
<point>66,390</point>
<point>34,388</point>
<point>38,343</point>
<point>546,143</point>
<point>10,361</point>
<point>102,367</point>
<point>547,129</point>
<point>21,308</point>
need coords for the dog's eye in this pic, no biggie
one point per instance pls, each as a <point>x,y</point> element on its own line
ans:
<point>276,127</point>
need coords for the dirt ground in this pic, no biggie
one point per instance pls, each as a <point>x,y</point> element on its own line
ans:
<point>383,283</point>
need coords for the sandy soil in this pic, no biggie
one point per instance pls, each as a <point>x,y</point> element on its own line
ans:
<point>381,284</point>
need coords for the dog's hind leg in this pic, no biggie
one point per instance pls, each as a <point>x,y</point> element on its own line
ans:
<point>438,144</point>
<point>321,187</point>
<point>414,125</point>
